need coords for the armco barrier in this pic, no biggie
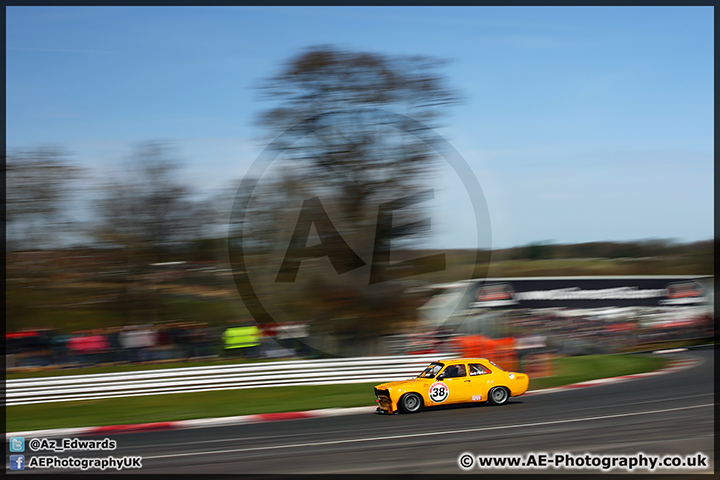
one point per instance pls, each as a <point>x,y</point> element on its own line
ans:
<point>222,377</point>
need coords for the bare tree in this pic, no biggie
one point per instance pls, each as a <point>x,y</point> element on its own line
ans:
<point>148,207</point>
<point>361,122</point>
<point>353,153</point>
<point>148,214</point>
<point>39,182</point>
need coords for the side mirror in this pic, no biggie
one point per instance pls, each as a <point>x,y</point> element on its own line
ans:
<point>441,376</point>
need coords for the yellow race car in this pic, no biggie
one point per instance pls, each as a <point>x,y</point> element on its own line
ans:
<point>460,380</point>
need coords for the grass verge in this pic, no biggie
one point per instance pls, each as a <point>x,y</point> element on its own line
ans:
<point>590,367</point>
<point>157,408</point>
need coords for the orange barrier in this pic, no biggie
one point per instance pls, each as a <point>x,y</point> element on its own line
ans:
<point>501,351</point>
<point>538,365</point>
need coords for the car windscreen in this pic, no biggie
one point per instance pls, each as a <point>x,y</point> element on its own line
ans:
<point>432,370</point>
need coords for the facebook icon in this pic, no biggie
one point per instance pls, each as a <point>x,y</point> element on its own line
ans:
<point>17,462</point>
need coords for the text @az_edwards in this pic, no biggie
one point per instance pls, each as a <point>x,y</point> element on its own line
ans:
<point>71,444</point>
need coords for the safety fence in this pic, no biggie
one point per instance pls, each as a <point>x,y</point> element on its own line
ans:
<point>222,377</point>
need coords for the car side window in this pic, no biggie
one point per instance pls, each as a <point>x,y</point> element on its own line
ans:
<point>477,369</point>
<point>454,371</point>
<point>496,366</point>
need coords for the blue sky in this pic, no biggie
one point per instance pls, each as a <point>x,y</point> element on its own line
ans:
<point>580,123</point>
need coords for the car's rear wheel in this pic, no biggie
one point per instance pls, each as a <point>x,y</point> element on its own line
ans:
<point>499,396</point>
<point>410,403</point>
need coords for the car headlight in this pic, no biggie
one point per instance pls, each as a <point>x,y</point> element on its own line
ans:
<point>512,376</point>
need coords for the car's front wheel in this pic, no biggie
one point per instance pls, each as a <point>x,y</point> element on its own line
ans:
<point>410,403</point>
<point>499,396</point>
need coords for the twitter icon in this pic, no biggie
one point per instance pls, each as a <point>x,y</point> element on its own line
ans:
<point>17,444</point>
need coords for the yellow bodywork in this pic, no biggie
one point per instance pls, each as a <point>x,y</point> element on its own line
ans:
<point>445,391</point>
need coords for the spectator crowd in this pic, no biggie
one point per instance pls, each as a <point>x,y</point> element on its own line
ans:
<point>180,341</point>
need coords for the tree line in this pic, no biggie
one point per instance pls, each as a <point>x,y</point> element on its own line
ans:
<point>649,248</point>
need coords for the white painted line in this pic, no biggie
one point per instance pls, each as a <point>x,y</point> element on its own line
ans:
<point>214,422</point>
<point>59,432</point>
<point>334,412</point>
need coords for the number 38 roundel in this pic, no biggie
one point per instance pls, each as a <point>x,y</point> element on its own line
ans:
<point>438,392</point>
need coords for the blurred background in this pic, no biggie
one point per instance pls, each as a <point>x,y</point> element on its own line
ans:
<point>181,196</point>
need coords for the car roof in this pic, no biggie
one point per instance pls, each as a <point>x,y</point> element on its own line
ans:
<point>455,361</point>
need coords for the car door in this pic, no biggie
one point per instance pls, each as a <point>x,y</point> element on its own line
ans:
<point>480,380</point>
<point>451,386</point>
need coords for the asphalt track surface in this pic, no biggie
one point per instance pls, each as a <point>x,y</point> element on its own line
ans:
<point>659,415</point>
